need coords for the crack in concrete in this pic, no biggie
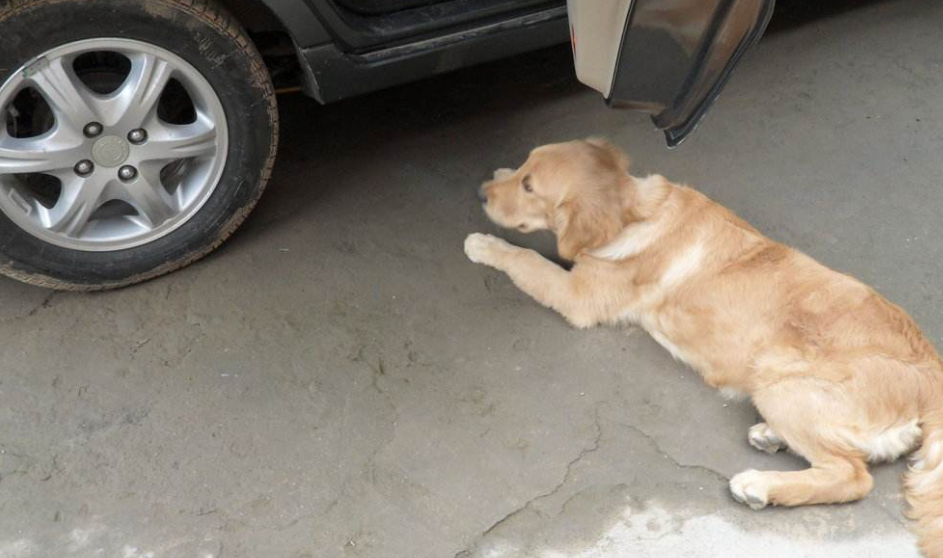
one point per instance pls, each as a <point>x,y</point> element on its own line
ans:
<point>467,553</point>
<point>185,351</point>
<point>378,371</point>
<point>44,304</point>
<point>528,504</point>
<point>894,517</point>
<point>54,469</point>
<point>378,375</point>
<point>654,444</point>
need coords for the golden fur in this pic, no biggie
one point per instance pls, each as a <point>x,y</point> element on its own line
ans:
<point>841,375</point>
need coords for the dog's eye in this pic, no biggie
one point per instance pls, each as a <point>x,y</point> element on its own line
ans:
<point>525,184</point>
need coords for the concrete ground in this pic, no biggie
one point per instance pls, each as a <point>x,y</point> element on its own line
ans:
<point>339,381</point>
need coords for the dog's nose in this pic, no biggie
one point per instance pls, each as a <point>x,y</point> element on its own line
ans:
<point>482,194</point>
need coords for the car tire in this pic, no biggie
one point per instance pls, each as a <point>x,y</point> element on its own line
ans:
<point>135,227</point>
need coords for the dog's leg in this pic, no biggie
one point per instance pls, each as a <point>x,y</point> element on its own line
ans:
<point>838,473</point>
<point>832,481</point>
<point>762,437</point>
<point>545,281</point>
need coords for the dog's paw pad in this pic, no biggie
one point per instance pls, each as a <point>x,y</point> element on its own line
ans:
<point>750,488</point>
<point>762,437</point>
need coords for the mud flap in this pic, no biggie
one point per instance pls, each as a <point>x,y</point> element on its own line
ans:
<point>668,58</point>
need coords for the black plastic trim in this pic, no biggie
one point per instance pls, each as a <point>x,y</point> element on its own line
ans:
<point>675,72</point>
<point>360,33</point>
<point>302,24</point>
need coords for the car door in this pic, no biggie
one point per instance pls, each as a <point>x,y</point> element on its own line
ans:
<point>668,58</point>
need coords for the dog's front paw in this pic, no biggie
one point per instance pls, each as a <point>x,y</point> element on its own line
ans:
<point>484,248</point>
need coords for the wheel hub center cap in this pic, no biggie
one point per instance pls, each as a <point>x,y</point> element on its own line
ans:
<point>110,151</point>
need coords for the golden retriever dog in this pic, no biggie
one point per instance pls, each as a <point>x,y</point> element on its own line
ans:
<point>841,376</point>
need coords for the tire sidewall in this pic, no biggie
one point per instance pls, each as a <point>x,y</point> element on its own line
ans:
<point>228,62</point>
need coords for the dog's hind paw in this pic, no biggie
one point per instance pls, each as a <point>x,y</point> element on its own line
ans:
<point>750,488</point>
<point>762,437</point>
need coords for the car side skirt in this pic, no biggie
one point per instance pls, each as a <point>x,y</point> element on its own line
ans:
<point>332,75</point>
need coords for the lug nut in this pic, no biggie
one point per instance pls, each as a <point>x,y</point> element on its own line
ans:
<point>137,136</point>
<point>84,167</point>
<point>127,172</point>
<point>92,129</point>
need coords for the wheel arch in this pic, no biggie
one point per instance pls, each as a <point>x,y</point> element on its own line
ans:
<point>290,17</point>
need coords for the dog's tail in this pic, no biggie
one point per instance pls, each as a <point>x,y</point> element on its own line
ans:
<point>923,486</point>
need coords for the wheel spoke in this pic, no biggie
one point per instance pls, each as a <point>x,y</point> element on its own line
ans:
<point>149,197</point>
<point>171,143</point>
<point>76,204</point>
<point>136,99</point>
<point>46,153</point>
<point>72,102</point>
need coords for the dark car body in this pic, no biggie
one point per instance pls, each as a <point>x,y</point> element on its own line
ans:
<point>673,56</point>
<point>355,47</point>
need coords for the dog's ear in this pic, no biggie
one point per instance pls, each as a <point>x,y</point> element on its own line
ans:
<point>581,226</point>
<point>611,152</point>
<point>593,216</point>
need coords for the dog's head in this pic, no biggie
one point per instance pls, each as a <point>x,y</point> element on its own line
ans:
<point>575,189</point>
